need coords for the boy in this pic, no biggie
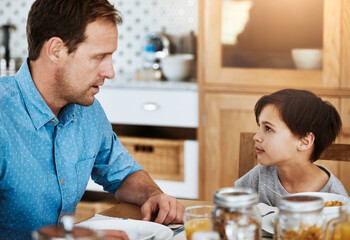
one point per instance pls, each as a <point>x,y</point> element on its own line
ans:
<point>295,126</point>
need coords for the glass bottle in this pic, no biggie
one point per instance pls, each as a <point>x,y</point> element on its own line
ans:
<point>300,217</point>
<point>236,215</point>
<point>339,228</point>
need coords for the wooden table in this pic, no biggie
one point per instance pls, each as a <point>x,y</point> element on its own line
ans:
<point>126,210</point>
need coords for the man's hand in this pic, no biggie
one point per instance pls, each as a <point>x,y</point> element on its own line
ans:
<point>115,235</point>
<point>166,209</point>
<point>140,189</point>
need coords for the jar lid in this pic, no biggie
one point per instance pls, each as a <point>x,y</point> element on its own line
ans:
<point>235,197</point>
<point>301,203</point>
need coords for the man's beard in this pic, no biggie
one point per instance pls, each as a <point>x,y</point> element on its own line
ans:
<point>69,93</point>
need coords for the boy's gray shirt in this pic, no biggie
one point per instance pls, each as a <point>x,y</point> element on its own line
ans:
<point>261,176</point>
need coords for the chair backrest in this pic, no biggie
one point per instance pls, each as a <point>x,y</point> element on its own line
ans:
<point>247,154</point>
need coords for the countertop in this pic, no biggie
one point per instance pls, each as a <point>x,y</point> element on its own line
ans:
<point>130,81</point>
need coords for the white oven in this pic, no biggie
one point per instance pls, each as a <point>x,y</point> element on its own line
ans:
<point>139,112</point>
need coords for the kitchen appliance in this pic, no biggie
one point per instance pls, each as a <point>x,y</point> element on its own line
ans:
<point>162,44</point>
<point>156,48</point>
<point>8,65</point>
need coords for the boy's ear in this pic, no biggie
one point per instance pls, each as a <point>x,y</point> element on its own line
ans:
<point>54,47</point>
<point>306,142</point>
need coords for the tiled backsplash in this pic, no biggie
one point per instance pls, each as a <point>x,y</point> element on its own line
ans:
<point>141,17</point>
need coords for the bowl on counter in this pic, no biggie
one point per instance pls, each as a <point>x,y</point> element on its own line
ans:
<point>307,58</point>
<point>177,67</point>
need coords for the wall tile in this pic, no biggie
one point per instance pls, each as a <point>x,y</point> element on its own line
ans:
<point>141,17</point>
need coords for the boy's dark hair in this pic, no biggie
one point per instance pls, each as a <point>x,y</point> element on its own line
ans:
<point>66,19</point>
<point>303,112</point>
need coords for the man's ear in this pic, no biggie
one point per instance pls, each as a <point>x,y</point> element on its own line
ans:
<point>306,142</point>
<point>54,47</point>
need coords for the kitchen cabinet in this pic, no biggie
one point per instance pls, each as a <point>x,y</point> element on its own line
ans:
<point>227,94</point>
<point>156,122</point>
<point>212,50</point>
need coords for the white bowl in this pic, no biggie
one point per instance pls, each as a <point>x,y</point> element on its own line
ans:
<point>329,212</point>
<point>307,58</point>
<point>177,67</point>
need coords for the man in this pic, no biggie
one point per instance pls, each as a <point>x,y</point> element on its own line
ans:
<point>53,132</point>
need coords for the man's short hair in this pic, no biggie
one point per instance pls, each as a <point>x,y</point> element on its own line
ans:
<point>303,112</point>
<point>66,19</point>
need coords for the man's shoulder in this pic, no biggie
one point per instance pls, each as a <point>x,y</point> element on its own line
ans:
<point>8,88</point>
<point>93,113</point>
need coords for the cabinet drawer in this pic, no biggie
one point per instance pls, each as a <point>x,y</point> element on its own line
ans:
<point>178,108</point>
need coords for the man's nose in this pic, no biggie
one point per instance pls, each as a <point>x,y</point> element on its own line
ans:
<point>108,71</point>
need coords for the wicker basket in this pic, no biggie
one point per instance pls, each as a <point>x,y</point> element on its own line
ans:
<point>162,159</point>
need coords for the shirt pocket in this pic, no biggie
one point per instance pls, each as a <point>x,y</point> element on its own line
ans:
<point>83,171</point>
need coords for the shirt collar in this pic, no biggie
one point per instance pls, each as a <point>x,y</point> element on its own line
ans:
<point>67,113</point>
<point>38,110</point>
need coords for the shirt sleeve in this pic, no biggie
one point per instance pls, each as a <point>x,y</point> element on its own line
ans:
<point>113,162</point>
<point>113,165</point>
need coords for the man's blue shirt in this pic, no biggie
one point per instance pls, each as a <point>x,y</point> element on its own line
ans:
<point>46,162</point>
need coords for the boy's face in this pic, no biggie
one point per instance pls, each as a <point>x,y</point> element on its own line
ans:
<point>274,142</point>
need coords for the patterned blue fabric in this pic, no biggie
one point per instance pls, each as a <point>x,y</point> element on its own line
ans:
<point>46,162</point>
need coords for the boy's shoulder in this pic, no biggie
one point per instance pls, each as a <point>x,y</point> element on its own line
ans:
<point>259,172</point>
<point>265,169</point>
<point>333,185</point>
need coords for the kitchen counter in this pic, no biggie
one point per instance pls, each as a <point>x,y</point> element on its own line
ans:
<point>130,81</point>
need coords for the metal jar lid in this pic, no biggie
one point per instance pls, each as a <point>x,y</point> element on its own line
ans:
<point>235,197</point>
<point>301,203</point>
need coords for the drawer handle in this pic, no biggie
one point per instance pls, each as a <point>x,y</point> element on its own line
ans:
<point>150,107</point>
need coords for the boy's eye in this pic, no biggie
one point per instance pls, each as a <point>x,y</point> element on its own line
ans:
<point>267,128</point>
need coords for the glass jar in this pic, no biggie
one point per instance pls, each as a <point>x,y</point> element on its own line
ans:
<point>300,217</point>
<point>236,215</point>
<point>339,228</point>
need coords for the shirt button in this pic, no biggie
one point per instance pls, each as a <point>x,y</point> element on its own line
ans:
<point>62,181</point>
<point>52,120</point>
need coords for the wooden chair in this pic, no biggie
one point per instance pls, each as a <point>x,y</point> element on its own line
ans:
<point>247,154</point>
<point>248,159</point>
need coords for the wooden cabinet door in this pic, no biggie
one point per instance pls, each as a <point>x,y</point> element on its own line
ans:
<point>344,167</point>
<point>227,115</point>
<point>334,30</point>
